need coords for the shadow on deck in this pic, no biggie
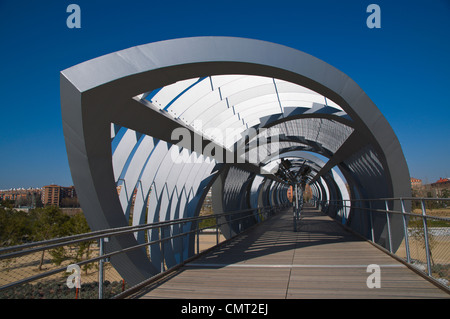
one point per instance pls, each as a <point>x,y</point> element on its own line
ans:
<point>321,260</point>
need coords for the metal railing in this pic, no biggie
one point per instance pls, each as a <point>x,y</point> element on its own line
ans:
<point>20,276</point>
<point>424,223</point>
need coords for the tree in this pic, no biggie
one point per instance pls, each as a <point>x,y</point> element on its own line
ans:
<point>49,222</point>
<point>79,225</point>
<point>70,202</point>
<point>8,203</point>
<point>18,227</point>
<point>75,224</point>
<point>15,227</point>
<point>445,193</point>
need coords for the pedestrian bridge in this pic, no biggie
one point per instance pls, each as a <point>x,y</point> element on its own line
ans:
<point>150,130</point>
<point>283,256</point>
<point>271,261</point>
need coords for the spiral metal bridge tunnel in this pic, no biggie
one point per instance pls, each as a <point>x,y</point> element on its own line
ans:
<point>151,129</point>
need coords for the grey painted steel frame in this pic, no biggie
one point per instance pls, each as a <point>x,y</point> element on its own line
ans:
<point>99,92</point>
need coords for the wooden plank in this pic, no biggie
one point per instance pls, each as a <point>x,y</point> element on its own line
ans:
<point>322,260</point>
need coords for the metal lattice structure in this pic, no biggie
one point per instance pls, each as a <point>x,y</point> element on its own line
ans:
<point>150,129</point>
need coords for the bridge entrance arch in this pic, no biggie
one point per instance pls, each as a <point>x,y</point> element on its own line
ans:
<point>256,118</point>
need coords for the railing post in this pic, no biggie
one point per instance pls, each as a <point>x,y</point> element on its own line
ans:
<point>182,241</point>
<point>388,223</point>
<point>161,245</point>
<point>405,228</point>
<point>198,237</point>
<point>295,210</point>
<point>217,231</point>
<point>427,243</point>
<point>345,211</point>
<point>100,268</point>
<point>372,232</point>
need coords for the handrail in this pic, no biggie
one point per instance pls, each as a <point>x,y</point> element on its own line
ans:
<point>392,198</point>
<point>58,242</point>
<point>61,241</point>
<point>343,206</point>
<point>390,211</point>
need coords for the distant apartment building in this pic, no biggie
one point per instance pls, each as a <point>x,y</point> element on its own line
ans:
<point>51,195</point>
<point>54,195</point>
<point>441,182</point>
<point>441,188</point>
<point>416,183</point>
<point>21,195</point>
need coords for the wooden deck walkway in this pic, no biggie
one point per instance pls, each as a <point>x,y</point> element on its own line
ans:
<point>322,260</point>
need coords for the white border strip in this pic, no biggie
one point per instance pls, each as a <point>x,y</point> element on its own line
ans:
<point>289,266</point>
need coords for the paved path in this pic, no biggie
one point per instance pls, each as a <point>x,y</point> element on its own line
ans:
<point>322,260</point>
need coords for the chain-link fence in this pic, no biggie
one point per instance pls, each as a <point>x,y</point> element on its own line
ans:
<point>76,267</point>
<point>428,238</point>
<point>43,272</point>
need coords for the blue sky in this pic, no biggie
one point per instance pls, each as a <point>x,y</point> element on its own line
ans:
<point>404,67</point>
